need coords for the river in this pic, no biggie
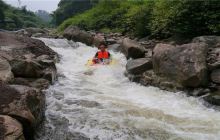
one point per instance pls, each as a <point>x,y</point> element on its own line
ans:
<point>100,103</point>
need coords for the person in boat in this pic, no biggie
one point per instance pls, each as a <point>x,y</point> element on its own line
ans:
<point>102,56</point>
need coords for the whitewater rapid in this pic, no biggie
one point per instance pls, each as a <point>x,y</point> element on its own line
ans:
<point>100,103</point>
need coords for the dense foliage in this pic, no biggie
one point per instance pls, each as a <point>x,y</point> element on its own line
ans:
<point>69,8</point>
<point>158,18</point>
<point>12,18</point>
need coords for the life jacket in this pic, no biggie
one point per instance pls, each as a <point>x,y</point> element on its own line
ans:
<point>103,55</point>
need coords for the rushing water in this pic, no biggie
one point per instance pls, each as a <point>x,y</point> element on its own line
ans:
<point>100,103</point>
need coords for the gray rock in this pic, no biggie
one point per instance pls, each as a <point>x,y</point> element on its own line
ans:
<point>75,34</point>
<point>150,78</point>
<point>215,76</point>
<point>111,41</point>
<point>5,71</point>
<point>50,74</point>
<point>114,47</point>
<point>185,64</point>
<point>199,92</point>
<point>213,99</point>
<point>213,58</point>
<point>132,49</point>
<point>26,68</point>
<point>138,66</point>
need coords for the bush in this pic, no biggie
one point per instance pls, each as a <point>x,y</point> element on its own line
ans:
<point>159,18</point>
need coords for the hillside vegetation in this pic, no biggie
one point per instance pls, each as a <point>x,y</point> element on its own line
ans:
<point>157,18</point>
<point>12,18</point>
<point>69,8</point>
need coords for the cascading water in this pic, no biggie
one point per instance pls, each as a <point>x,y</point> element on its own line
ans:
<point>100,103</point>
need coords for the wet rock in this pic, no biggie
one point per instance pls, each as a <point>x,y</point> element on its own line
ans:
<point>134,78</point>
<point>215,76</point>
<point>97,39</point>
<point>20,81</point>
<point>77,35</point>
<point>10,129</point>
<point>148,53</point>
<point>185,64</point>
<point>150,78</point>
<point>5,71</point>
<point>50,74</point>
<point>36,83</point>
<point>40,84</point>
<point>138,66</point>
<point>114,47</point>
<point>213,98</point>
<point>86,103</point>
<point>24,104</point>
<point>213,58</point>
<point>199,92</point>
<point>132,49</point>
<point>26,68</point>
<point>111,41</point>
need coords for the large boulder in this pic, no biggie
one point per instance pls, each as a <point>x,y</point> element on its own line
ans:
<point>17,47</point>
<point>138,66</point>
<point>41,67</point>
<point>24,104</point>
<point>132,49</point>
<point>26,68</point>
<point>185,64</point>
<point>75,34</point>
<point>5,71</point>
<point>10,129</point>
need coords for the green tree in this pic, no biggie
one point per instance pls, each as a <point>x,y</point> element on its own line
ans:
<point>69,8</point>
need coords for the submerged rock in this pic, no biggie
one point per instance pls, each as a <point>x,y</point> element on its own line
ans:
<point>185,64</point>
